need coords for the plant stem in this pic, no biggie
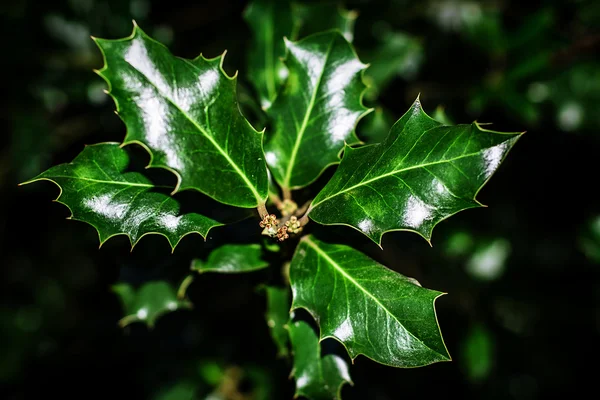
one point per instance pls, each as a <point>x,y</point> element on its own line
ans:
<point>262,210</point>
<point>302,209</point>
<point>304,220</point>
<point>287,193</point>
<point>183,287</point>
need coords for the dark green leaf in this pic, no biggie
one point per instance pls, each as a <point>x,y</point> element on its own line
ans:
<point>369,308</point>
<point>278,314</point>
<point>323,16</point>
<point>148,303</point>
<point>97,190</point>
<point>231,259</point>
<point>317,109</point>
<point>421,174</point>
<point>270,21</point>
<point>185,113</point>
<point>316,378</point>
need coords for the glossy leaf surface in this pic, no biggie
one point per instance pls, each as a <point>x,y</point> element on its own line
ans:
<point>369,308</point>
<point>317,109</point>
<point>98,190</point>
<point>231,259</point>
<point>278,314</point>
<point>147,303</point>
<point>422,173</point>
<point>185,113</point>
<point>316,378</point>
<point>270,21</point>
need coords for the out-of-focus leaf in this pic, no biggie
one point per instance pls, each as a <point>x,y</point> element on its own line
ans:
<point>398,54</point>
<point>440,116</point>
<point>478,354</point>
<point>270,21</point>
<point>180,391</point>
<point>316,378</point>
<point>589,240</point>
<point>147,303</point>
<point>232,259</point>
<point>318,17</point>
<point>278,314</point>
<point>485,31</point>
<point>459,244</point>
<point>488,260</point>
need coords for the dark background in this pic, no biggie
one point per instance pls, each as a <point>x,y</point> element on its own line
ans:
<point>521,315</point>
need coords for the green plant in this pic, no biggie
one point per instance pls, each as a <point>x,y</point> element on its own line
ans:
<point>185,114</point>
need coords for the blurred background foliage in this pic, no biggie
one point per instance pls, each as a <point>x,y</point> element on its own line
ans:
<point>521,275</point>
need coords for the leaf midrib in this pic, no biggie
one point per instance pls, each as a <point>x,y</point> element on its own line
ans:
<point>311,104</point>
<point>108,182</point>
<point>237,169</point>
<point>339,269</point>
<point>394,172</point>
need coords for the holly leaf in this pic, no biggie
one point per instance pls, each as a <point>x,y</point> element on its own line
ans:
<point>369,308</point>
<point>97,189</point>
<point>317,109</point>
<point>323,16</point>
<point>421,174</point>
<point>185,113</point>
<point>148,303</point>
<point>270,21</point>
<point>316,378</point>
<point>278,314</point>
<point>232,258</point>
